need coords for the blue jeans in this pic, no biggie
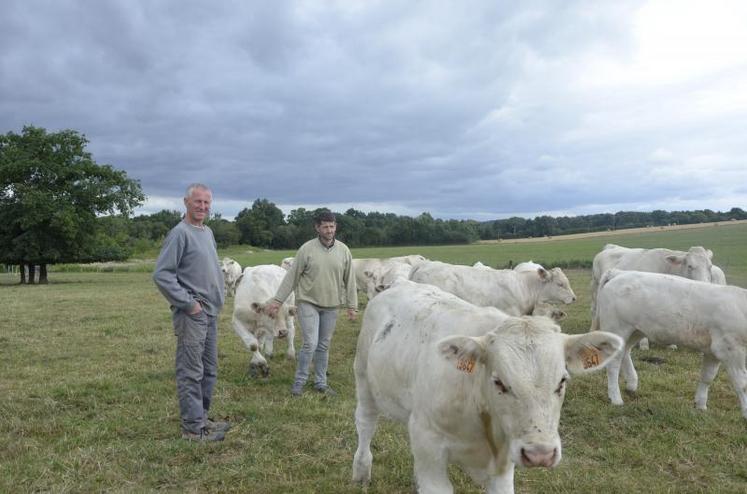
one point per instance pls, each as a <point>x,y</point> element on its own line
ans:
<point>196,366</point>
<point>317,326</point>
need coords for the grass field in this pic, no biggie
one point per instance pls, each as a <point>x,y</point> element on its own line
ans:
<point>89,400</point>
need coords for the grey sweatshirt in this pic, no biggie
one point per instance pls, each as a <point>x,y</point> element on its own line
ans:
<point>187,270</point>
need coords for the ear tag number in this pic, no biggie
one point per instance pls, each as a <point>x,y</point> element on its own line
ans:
<point>590,357</point>
<point>466,365</point>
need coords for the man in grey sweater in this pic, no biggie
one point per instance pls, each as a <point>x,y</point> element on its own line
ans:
<point>188,274</point>
<point>322,277</point>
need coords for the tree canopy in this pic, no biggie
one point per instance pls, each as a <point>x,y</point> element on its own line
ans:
<point>51,192</point>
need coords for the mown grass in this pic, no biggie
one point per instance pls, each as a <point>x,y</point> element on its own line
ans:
<point>89,402</point>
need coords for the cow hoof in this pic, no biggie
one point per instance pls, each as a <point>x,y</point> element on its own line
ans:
<point>290,356</point>
<point>259,370</point>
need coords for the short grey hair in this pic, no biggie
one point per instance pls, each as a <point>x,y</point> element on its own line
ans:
<point>191,188</point>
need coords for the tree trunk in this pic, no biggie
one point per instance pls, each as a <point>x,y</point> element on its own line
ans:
<point>22,270</point>
<point>43,274</point>
<point>32,274</point>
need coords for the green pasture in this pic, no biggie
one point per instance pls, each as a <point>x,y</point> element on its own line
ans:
<point>89,404</point>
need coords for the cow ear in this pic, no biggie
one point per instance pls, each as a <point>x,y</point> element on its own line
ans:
<point>543,274</point>
<point>558,315</point>
<point>368,274</point>
<point>292,310</point>
<point>591,351</point>
<point>676,260</point>
<point>463,352</point>
<point>709,253</point>
<point>258,308</point>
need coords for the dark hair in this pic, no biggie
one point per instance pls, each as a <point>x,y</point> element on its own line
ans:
<point>324,216</point>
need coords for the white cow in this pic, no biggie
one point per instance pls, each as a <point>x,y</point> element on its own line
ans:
<point>717,275</point>
<point>670,309</point>
<point>375,275</point>
<point>231,274</point>
<point>388,273</point>
<point>475,386</point>
<point>694,264</point>
<point>252,323</point>
<point>287,263</point>
<point>412,260</point>
<point>549,310</point>
<point>514,292</point>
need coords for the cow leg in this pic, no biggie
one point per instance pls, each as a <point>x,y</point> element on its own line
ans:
<point>613,377</point>
<point>290,354</point>
<point>707,375</point>
<point>431,461</point>
<point>267,343</point>
<point>644,345</point>
<point>734,361</point>
<point>366,416</point>
<point>628,369</point>
<point>494,484</point>
<point>502,484</point>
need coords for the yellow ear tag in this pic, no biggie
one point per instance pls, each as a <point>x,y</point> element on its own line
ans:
<point>466,365</point>
<point>590,357</point>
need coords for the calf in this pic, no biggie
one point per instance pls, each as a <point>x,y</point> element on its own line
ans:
<point>251,321</point>
<point>669,309</point>
<point>475,386</point>
<point>514,292</point>
<point>231,274</point>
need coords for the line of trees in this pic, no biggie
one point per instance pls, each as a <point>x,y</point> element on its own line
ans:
<point>57,205</point>
<point>264,225</point>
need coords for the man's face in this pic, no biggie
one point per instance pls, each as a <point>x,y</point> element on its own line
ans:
<point>326,230</point>
<point>198,206</point>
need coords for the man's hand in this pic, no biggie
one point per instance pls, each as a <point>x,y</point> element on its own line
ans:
<point>196,309</point>
<point>272,308</point>
<point>352,314</point>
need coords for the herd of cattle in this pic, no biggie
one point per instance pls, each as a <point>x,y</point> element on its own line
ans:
<point>472,358</point>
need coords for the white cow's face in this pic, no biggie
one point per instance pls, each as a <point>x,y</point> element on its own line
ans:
<point>555,286</point>
<point>275,326</point>
<point>696,264</point>
<point>522,369</point>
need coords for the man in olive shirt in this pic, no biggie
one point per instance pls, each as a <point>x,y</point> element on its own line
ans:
<point>322,277</point>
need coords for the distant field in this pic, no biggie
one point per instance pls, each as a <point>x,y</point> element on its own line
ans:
<point>89,401</point>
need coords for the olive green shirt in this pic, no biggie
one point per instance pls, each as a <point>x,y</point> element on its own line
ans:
<point>322,276</point>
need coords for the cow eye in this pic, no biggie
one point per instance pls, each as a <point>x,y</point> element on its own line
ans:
<point>501,387</point>
<point>561,386</point>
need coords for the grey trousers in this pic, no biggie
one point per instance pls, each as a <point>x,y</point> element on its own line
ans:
<point>196,366</point>
<point>317,327</point>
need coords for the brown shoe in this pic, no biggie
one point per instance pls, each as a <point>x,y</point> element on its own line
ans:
<point>204,436</point>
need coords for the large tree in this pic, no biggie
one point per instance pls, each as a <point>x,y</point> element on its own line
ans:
<point>51,191</point>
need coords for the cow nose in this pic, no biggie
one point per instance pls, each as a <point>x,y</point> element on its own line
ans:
<point>538,456</point>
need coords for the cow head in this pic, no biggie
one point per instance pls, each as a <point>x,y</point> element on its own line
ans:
<point>548,310</point>
<point>521,370</point>
<point>555,286</point>
<point>274,323</point>
<point>695,264</point>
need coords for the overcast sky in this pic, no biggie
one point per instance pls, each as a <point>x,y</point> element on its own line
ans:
<point>465,109</point>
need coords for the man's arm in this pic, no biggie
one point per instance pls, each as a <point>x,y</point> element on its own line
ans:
<point>289,283</point>
<point>351,291</point>
<point>165,277</point>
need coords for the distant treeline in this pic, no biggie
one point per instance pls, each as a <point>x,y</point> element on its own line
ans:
<point>264,225</point>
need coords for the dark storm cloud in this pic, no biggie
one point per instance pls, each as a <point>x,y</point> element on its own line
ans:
<point>480,109</point>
